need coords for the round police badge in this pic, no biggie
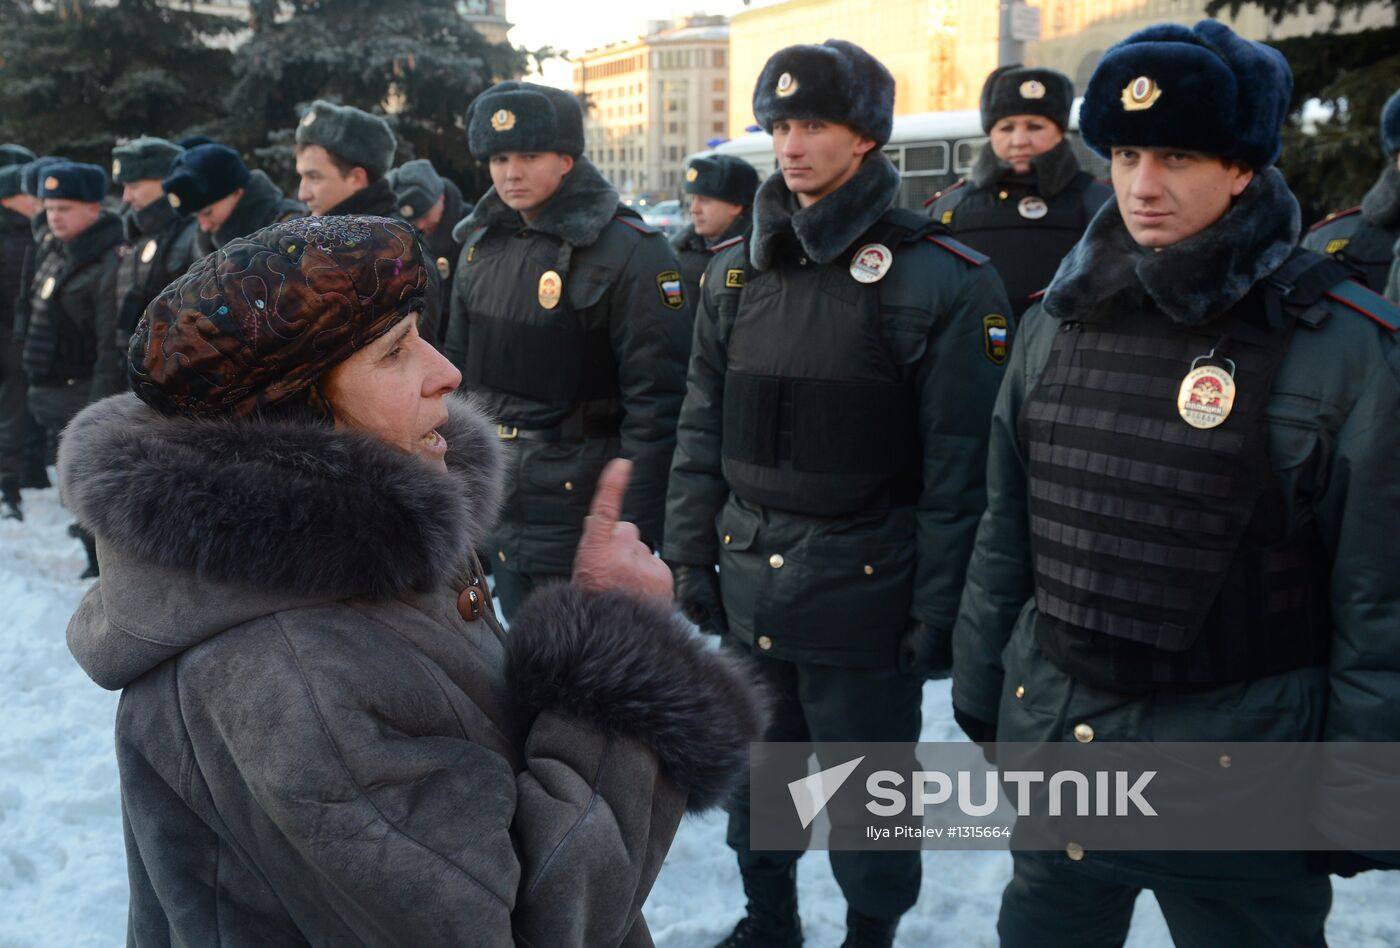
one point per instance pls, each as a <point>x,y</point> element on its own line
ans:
<point>503,120</point>
<point>309,118</point>
<point>692,173</point>
<point>50,183</point>
<point>1032,208</point>
<point>46,290</point>
<point>551,289</point>
<point>443,267</point>
<point>787,85</point>
<point>116,167</point>
<point>871,263</point>
<point>1032,89</point>
<point>1207,395</point>
<point>1142,93</point>
<point>405,210</point>
<point>148,252</point>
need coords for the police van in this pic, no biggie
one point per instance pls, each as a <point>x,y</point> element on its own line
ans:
<point>931,150</point>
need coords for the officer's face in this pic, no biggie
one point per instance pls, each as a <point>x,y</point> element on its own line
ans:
<point>817,157</point>
<point>393,389</point>
<point>323,186</point>
<point>68,219</point>
<point>429,222</point>
<point>211,218</point>
<point>525,180</point>
<point>1016,139</point>
<point>711,216</point>
<point>1166,195</point>
<point>139,194</point>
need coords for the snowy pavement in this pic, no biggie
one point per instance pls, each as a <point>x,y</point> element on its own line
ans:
<point>63,873</point>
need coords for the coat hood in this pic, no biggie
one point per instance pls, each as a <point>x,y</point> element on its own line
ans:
<point>205,524</point>
<point>576,214</point>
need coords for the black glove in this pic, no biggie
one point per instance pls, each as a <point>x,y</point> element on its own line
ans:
<point>697,595</point>
<point>982,733</point>
<point>1348,864</point>
<point>926,652</point>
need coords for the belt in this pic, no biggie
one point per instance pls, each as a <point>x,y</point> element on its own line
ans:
<point>574,428</point>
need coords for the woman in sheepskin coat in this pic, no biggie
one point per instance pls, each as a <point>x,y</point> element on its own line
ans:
<point>324,735</point>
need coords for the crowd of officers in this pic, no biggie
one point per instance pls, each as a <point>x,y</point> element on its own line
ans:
<point>1161,514</point>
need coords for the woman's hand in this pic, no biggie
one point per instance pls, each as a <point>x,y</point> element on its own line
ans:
<point>611,554</point>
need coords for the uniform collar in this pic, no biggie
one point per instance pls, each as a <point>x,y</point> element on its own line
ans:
<point>1050,173</point>
<point>576,214</point>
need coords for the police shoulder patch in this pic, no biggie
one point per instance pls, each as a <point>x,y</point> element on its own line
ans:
<point>995,339</point>
<point>734,279</point>
<point>959,249</point>
<point>1334,216</point>
<point>727,243</point>
<point>668,282</point>
<point>640,226</point>
<point>1368,303</point>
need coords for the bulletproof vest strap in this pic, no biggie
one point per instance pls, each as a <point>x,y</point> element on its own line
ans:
<point>1301,283</point>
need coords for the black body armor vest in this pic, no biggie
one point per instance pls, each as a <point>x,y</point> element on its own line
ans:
<point>1159,550</point>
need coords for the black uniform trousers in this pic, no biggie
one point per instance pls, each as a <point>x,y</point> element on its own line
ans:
<point>513,587</point>
<point>22,454</point>
<point>817,703</point>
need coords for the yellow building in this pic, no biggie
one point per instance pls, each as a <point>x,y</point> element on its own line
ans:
<point>653,100</point>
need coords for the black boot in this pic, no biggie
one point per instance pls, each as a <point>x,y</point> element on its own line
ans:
<point>9,498</point>
<point>772,920</point>
<point>866,931</point>
<point>90,545</point>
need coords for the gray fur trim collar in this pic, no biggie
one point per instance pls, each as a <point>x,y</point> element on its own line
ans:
<point>576,214</point>
<point>1050,173</point>
<point>1193,281</point>
<point>826,229</point>
<point>1381,205</point>
<point>295,507</point>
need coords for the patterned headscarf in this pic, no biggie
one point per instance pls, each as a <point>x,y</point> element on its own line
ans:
<point>256,324</point>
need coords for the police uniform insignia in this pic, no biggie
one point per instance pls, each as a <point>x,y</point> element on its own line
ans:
<point>503,120</point>
<point>787,85</point>
<point>669,283</point>
<point>116,167</point>
<point>551,289</point>
<point>1207,393</point>
<point>947,217</point>
<point>1335,246</point>
<point>1032,208</point>
<point>443,267</point>
<point>174,200</point>
<point>1142,93</point>
<point>871,263</point>
<point>309,118</point>
<point>148,252</point>
<point>994,337</point>
<point>702,281</point>
<point>406,210</point>
<point>471,253</point>
<point>692,173</point>
<point>1032,89</point>
<point>733,279</point>
<point>50,183</point>
<point>46,290</point>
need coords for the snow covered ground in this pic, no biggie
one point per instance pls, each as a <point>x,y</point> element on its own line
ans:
<point>62,869</point>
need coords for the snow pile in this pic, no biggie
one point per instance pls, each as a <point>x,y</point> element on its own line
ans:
<point>63,870</point>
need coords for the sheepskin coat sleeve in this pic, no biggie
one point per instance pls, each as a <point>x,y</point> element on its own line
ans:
<point>317,748</point>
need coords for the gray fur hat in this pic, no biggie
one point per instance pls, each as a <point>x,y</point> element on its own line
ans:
<point>12,154</point>
<point>1023,90</point>
<point>723,177</point>
<point>364,140</point>
<point>1390,126</point>
<point>836,81</point>
<point>417,186</point>
<point>143,159</point>
<point>522,116</point>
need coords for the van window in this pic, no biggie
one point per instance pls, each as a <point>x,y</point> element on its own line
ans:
<point>965,153</point>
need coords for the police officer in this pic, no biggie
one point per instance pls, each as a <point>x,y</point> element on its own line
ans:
<point>1191,484</point>
<point>1364,236</point>
<point>830,456</point>
<point>72,301</point>
<point>161,241</point>
<point>15,244</point>
<point>343,155</point>
<point>434,206</point>
<point>212,184</point>
<point>569,321</point>
<point>1026,201</point>
<point>721,189</point>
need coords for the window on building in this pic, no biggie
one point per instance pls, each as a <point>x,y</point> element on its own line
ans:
<point>719,105</point>
<point>719,57</point>
<point>718,85</point>
<point>717,128</point>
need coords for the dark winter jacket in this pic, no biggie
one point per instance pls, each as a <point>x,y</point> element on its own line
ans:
<point>161,249</point>
<point>443,249</point>
<point>42,242</point>
<point>695,252</point>
<point>317,748</point>
<point>1332,447</point>
<point>1025,222</point>
<point>262,204</point>
<point>839,589</point>
<point>375,200</point>
<point>622,319</point>
<point>1364,236</point>
<point>73,308</point>
<point>16,241</point>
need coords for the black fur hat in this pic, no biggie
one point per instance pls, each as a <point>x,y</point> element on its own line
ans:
<point>32,173</point>
<point>1390,126</point>
<point>11,180</point>
<point>417,187</point>
<point>722,177</point>
<point>73,181</point>
<point>836,81</point>
<point>522,116</point>
<point>203,175</point>
<point>143,159</point>
<point>1023,90</point>
<point>1200,89</point>
<point>11,154</point>
<point>364,140</point>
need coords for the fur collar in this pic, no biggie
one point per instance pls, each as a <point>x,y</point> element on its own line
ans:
<point>149,221</point>
<point>1050,173</point>
<point>13,222</point>
<point>257,206</point>
<point>827,228</point>
<point>1381,205</point>
<point>577,214</point>
<point>298,508</point>
<point>376,200</point>
<point>1193,281</point>
<point>103,234</point>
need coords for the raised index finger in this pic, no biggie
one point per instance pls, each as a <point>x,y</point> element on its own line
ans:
<point>606,508</point>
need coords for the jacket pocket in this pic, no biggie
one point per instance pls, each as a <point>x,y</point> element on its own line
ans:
<point>558,479</point>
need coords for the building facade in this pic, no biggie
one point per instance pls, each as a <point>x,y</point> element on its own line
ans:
<point>653,100</point>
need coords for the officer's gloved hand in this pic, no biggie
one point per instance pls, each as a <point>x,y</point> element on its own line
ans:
<point>697,595</point>
<point>982,733</point>
<point>1348,864</point>
<point>926,652</point>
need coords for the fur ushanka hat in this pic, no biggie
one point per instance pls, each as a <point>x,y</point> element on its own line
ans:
<point>836,82</point>
<point>1021,90</point>
<point>522,116</point>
